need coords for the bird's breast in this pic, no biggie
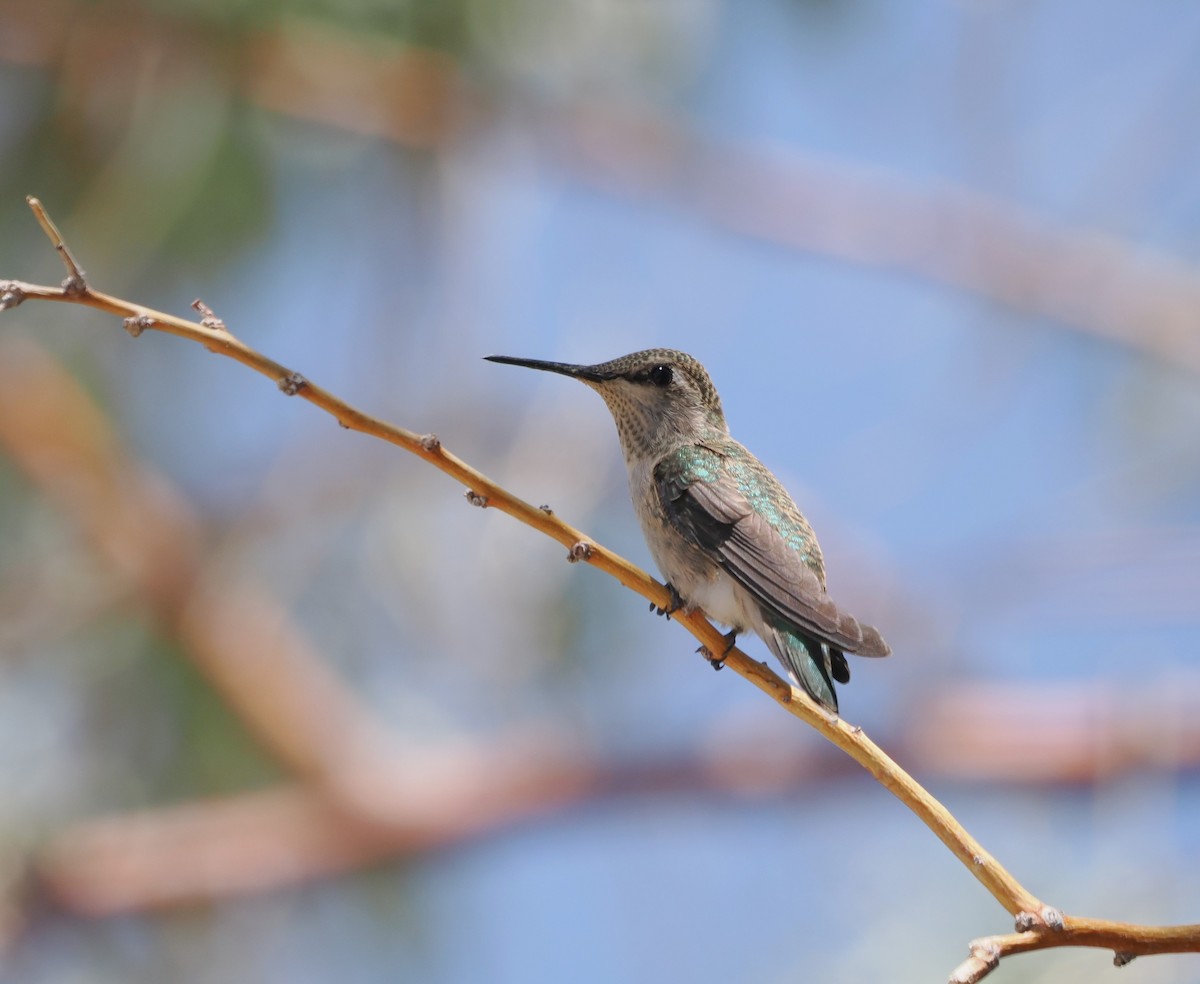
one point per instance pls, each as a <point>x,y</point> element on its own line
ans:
<point>697,577</point>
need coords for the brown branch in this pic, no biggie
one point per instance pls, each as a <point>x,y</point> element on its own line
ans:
<point>1061,733</point>
<point>254,842</point>
<point>1036,922</point>
<point>418,801</point>
<point>75,281</point>
<point>1126,940</point>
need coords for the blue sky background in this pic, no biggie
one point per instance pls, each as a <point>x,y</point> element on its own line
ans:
<point>1013,499</point>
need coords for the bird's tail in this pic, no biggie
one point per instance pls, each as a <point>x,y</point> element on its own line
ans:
<point>813,664</point>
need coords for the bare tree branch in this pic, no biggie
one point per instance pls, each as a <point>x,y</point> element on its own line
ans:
<point>1038,924</point>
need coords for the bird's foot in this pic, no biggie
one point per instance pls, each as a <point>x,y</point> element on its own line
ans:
<point>716,662</point>
<point>673,605</point>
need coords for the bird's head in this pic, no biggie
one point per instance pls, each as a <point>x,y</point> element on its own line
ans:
<point>659,398</point>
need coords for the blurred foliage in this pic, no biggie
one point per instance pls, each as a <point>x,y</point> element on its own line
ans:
<point>438,23</point>
<point>231,202</point>
<point>139,118</point>
<point>210,752</point>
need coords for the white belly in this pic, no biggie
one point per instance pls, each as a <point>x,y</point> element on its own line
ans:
<point>721,600</point>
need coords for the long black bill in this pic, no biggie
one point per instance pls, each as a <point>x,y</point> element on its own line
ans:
<point>562,368</point>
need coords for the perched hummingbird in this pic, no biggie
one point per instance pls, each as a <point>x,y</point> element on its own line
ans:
<point>723,531</point>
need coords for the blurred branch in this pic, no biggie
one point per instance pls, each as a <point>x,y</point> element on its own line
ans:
<point>256,842</point>
<point>147,533</point>
<point>247,843</point>
<point>1095,282</point>
<point>1038,925</point>
<point>427,799</point>
<point>424,800</point>
<point>1056,733</point>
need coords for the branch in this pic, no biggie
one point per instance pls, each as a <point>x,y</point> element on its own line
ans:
<point>1126,940</point>
<point>260,841</point>
<point>1038,925</point>
<point>418,801</point>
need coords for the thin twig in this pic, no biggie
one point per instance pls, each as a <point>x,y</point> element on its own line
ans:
<point>1039,926</point>
<point>76,282</point>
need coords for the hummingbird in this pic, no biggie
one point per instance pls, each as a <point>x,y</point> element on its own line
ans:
<point>723,531</point>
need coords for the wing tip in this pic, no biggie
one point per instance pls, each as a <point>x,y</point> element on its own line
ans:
<point>873,644</point>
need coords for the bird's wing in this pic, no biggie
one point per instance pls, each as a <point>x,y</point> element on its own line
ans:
<point>702,499</point>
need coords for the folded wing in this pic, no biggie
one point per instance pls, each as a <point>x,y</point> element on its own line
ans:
<point>715,515</point>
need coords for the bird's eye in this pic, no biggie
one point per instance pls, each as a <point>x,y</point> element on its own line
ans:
<point>660,376</point>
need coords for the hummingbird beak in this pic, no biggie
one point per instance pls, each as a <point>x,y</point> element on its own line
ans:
<point>586,373</point>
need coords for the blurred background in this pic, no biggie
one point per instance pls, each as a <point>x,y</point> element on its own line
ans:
<point>276,704</point>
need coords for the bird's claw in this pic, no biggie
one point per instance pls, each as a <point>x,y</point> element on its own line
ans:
<point>673,605</point>
<point>716,662</point>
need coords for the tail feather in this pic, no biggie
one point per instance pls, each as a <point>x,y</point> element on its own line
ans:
<point>810,662</point>
<point>838,666</point>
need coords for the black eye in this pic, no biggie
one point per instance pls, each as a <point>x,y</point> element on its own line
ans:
<point>660,376</point>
